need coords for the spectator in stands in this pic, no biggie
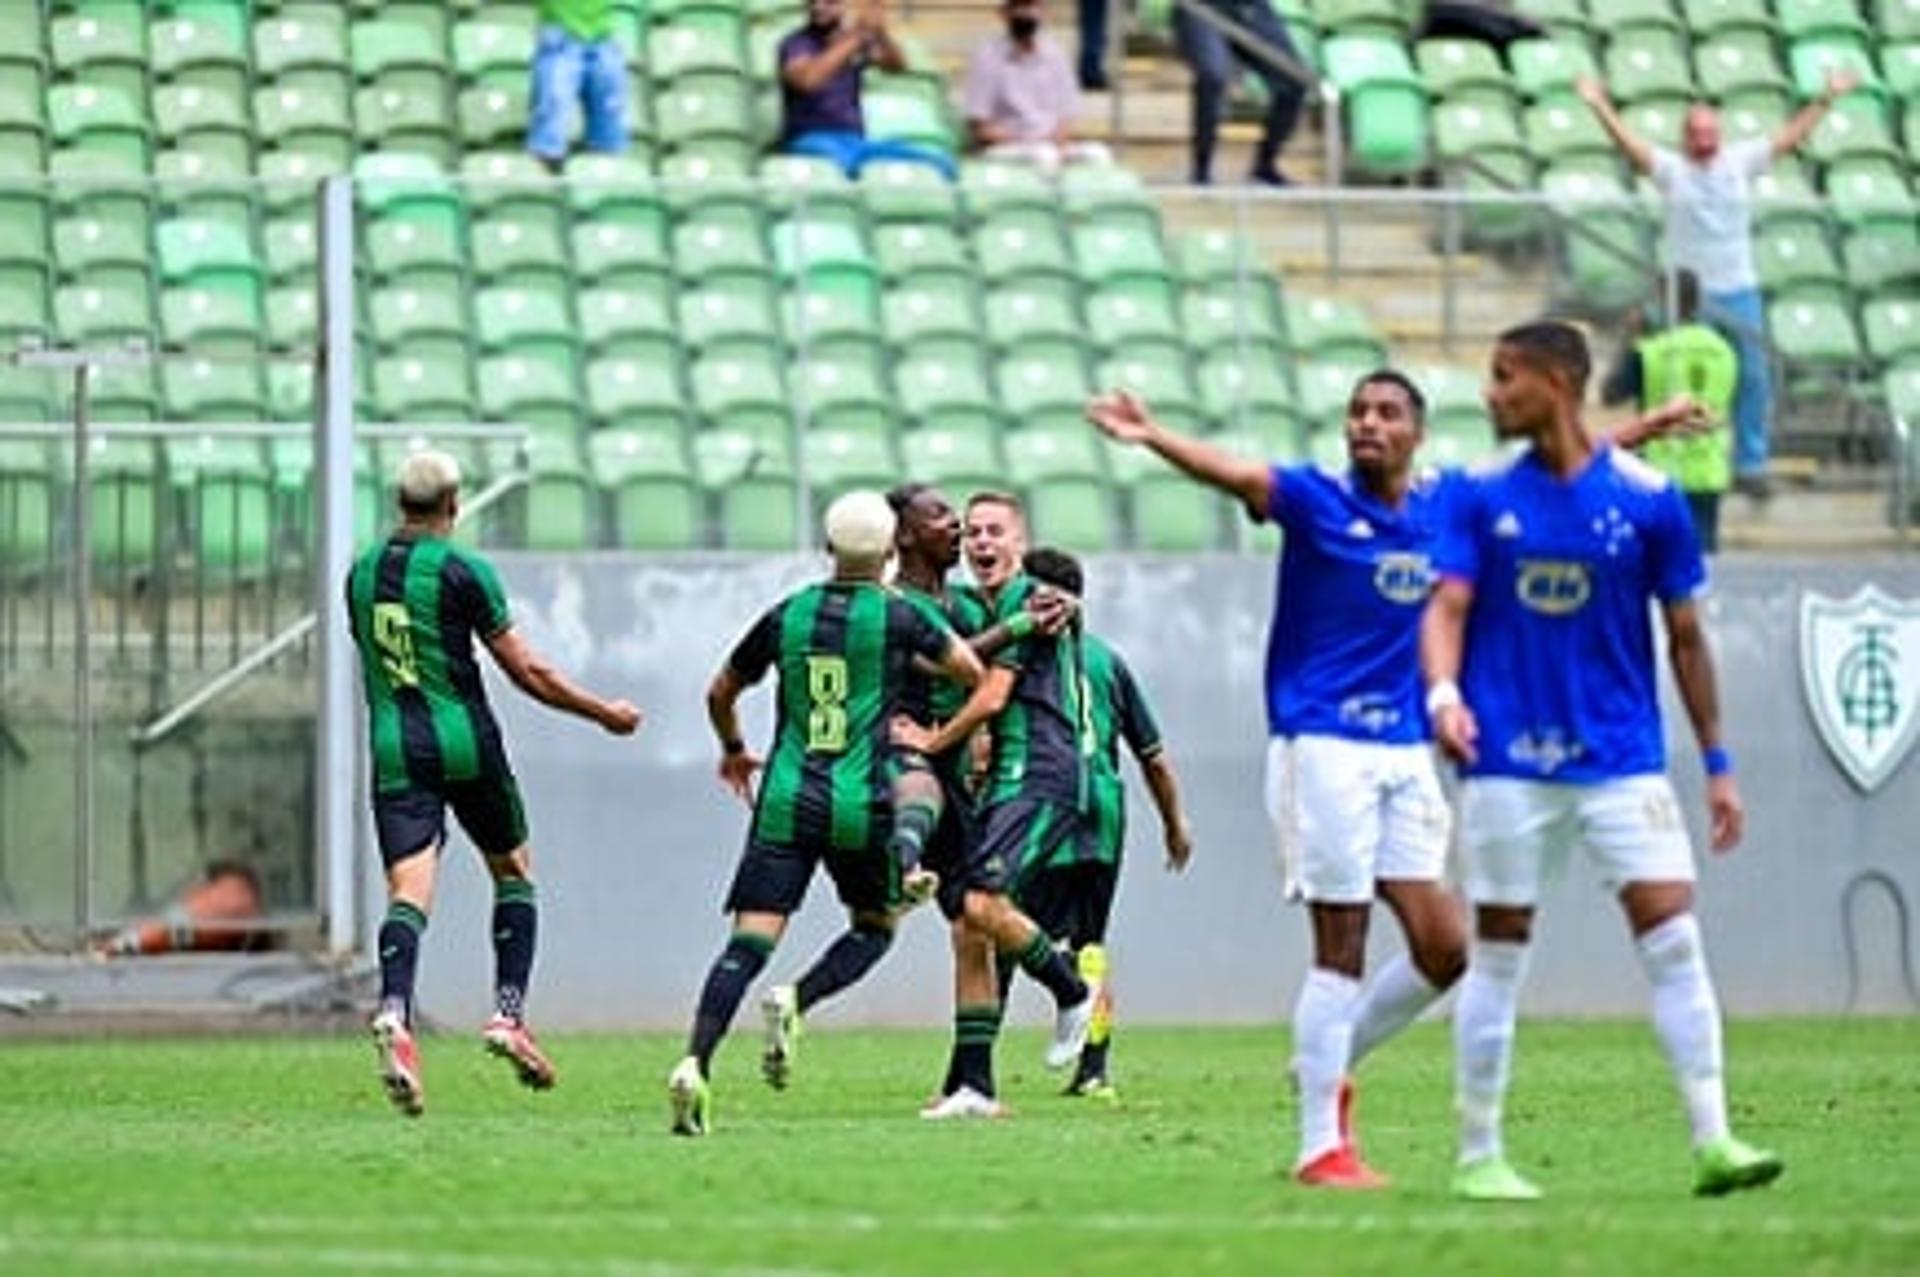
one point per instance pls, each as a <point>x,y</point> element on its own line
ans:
<point>820,68</point>
<point>1211,53</point>
<point>1093,44</point>
<point>1710,231</point>
<point>1693,359</point>
<point>576,62</point>
<point>1487,21</point>
<point>1021,99</point>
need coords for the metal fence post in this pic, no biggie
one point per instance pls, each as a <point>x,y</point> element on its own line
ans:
<point>335,777</point>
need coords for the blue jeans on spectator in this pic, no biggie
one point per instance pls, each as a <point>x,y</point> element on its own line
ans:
<point>854,151</point>
<point>1211,55</point>
<point>567,72</point>
<point>1739,315</point>
<point>1093,43</point>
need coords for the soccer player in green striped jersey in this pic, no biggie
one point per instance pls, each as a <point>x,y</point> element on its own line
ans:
<point>1069,891</point>
<point>416,602</point>
<point>842,650</point>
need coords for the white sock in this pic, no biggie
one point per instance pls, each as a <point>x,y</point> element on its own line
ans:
<point>1392,1000</point>
<point>1322,1034</point>
<point>1686,1015</point>
<point>1483,1042</point>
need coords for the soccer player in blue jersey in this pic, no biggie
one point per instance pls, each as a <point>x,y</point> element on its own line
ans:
<point>1351,783</point>
<point>1538,653</point>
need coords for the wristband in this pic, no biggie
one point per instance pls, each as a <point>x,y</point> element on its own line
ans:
<point>1020,624</point>
<point>1717,760</point>
<point>733,747</point>
<point>1443,695</point>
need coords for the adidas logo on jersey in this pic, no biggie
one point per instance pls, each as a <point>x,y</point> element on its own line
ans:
<point>1506,526</point>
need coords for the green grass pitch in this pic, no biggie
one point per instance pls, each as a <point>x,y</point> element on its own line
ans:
<point>281,1155</point>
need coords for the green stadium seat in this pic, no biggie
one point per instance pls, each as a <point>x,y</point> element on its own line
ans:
<point>1203,257</point>
<point>1812,60</point>
<point>114,311</point>
<point>1386,19</point>
<point>402,54</point>
<point>651,494</point>
<point>1561,130</point>
<point>1800,19</point>
<point>1646,63</point>
<point>1244,391</point>
<point>26,308</point>
<point>208,319</point>
<point>206,253</point>
<point>221,486</point>
<point>125,505</point>
<point>1559,13</point>
<point>956,459</point>
<point>26,501</point>
<point>989,187</point>
<point>716,117</point>
<point>1640,16</point>
<point>622,252</point>
<point>537,388</point>
<point>1903,394</point>
<point>1548,68</point>
<point>1021,316</point>
<point>22,41</point>
<point>1107,195</point>
<point>1816,333</point>
<point>825,256</point>
<point>118,394</point>
<point>308,118</point>
<point>557,510</point>
<point>428,313</point>
<point>104,120</point>
<point>1498,173</point>
<point>492,115</point>
<point>1159,375</point>
<point>1738,61</point>
<point>413,388</point>
<point>833,324</point>
<point>193,114</point>
<point>615,188</point>
<point>716,247</point>
<point>1605,244</point>
<point>1854,130</point>
<point>1326,388</point>
<point>740,391</point>
<point>906,109</point>
<point>1453,396</point>
<point>680,49</point>
<point>1114,319</point>
<point>1892,327</point>
<point>293,317</point>
<point>845,393</point>
<point>837,461</point>
<point>191,49</point>
<point>1036,384</point>
<point>1658,119</point>
<point>404,118</point>
<point>493,50</point>
<point>1883,259</point>
<point>1386,106</point>
<point>1870,192</point>
<point>935,389</point>
<point>1226,317</point>
<point>519,249</point>
<point>1127,256</point>
<point>202,390</point>
<point>720,317</point>
<point>938,309</point>
<point>904,191</point>
<point>1173,515</point>
<point>105,47</point>
<point>1332,328</point>
<point>1021,250</point>
<point>1797,260</point>
<point>1067,499</point>
<point>292,248</point>
<point>1475,128</point>
<point>640,390</point>
<point>310,48</point>
<point>915,251</point>
<point>287,178</point>
<point>1462,70</point>
<point>1900,64</point>
<point>627,316</point>
<point>23,118</point>
<point>400,250</point>
<point>93,245</point>
<point>1716,17</point>
<point>751,480</point>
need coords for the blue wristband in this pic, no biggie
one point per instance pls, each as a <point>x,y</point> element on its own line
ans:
<point>1717,760</point>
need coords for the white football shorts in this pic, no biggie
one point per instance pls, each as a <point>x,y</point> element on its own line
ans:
<point>1348,813</point>
<point>1515,834</point>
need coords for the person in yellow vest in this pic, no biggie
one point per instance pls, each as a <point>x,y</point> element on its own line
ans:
<point>1695,359</point>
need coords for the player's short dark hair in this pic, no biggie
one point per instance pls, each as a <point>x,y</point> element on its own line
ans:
<point>904,495</point>
<point>1394,377</point>
<point>1554,345</point>
<point>1051,566</point>
<point>997,496</point>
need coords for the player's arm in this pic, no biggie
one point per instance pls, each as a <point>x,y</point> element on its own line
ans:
<point>737,763</point>
<point>1123,416</point>
<point>1691,658</point>
<point>1789,136</point>
<point>542,680</point>
<point>1047,611</point>
<point>1630,144</point>
<point>1164,785</point>
<point>1680,415</point>
<point>991,691</point>
<point>1443,630</point>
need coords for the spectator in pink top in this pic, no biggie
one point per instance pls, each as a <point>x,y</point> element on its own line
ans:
<point>1021,97</point>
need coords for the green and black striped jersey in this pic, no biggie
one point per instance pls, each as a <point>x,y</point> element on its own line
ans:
<point>931,699</point>
<point>1042,745</point>
<point>1118,711</point>
<point>844,654</point>
<point>416,604</point>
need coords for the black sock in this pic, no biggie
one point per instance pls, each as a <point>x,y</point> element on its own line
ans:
<point>1093,1061</point>
<point>399,956</point>
<point>913,823</point>
<point>1050,967</point>
<point>1003,969</point>
<point>516,923</point>
<point>844,962</point>
<point>975,1028</point>
<point>726,984</point>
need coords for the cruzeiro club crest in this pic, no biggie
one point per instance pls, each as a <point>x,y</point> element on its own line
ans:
<point>1860,665</point>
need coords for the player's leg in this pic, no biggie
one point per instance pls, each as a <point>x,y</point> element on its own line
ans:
<point>1091,890</point>
<point>1329,823</point>
<point>919,804</point>
<point>410,828</point>
<point>1512,834</point>
<point>491,813</point>
<point>969,1089</point>
<point>558,65</point>
<point>1635,831</point>
<point>856,951</point>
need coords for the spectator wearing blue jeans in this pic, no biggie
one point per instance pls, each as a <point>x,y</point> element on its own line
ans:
<point>576,62</point>
<point>820,66</point>
<point>1708,188</point>
<point>1211,54</point>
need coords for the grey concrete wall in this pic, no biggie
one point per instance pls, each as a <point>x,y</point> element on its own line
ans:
<point>636,839</point>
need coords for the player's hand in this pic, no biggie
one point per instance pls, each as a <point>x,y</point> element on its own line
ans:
<point>1842,81</point>
<point>1591,91</point>
<point>1457,732</point>
<point>1179,848</point>
<point>918,885</point>
<point>1121,415</point>
<point>1053,610</point>
<point>1680,415</point>
<point>737,772</point>
<point>1726,814</point>
<point>908,734</point>
<point>621,718</point>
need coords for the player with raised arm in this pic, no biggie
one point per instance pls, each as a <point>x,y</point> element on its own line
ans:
<point>1538,653</point>
<point>1070,893</point>
<point>416,602</point>
<point>842,650</point>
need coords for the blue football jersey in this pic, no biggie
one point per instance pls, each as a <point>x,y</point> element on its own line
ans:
<point>1558,666</point>
<point>1343,651</point>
